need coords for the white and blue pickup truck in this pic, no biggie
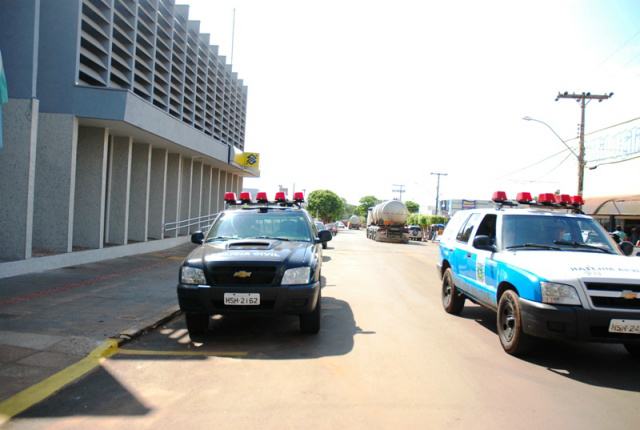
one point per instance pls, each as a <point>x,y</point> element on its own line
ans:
<point>546,269</point>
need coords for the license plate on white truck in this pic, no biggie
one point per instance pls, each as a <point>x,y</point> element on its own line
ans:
<point>624,326</point>
<point>242,299</point>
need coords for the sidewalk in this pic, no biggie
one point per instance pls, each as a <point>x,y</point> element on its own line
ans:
<point>52,319</point>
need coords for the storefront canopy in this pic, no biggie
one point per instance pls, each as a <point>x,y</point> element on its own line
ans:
<point>614,205</point>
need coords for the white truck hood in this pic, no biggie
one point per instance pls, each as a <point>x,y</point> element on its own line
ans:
<point>570,265</point>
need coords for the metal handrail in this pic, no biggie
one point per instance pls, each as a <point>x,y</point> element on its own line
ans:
<point>185,223</point>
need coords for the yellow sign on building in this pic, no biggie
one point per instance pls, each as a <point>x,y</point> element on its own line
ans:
<point>249,160</point>
<point>252,160</point>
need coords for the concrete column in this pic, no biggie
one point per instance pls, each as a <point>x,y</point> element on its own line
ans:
<point>140,185</point>
<point>222,187</point>
<point>216,197</point>
<point>205,204</point>
<point>119,189</point>
<point>232,184</point>
<point>229,184</point>
<point>223,184</point>
<point>172,201</point>
<point>17,177</point>
<point>157,192</point>
<point>55,182</point>
<point>185,195</point>
<point>237,183</point>
<point>196,195</point>
<point>91,187</point>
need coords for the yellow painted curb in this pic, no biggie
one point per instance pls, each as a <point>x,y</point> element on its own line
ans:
<point>40,391</point>
<point>183,353</point>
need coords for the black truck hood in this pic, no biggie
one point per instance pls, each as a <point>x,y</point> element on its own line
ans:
<point>260,251</point>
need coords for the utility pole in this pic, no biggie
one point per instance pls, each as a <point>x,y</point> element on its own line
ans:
<point>583,99</point>
<point>438,191</point>
<point>398,191</point>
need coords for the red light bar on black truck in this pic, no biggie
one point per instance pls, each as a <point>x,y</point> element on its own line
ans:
<point>262,199</point>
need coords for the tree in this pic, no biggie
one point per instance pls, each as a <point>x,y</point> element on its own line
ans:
<point>348,210</point>
<point>365,203</point>
<point>439,219</point>
<point>424,221</point>
<point>412,207</point>
<point>325,205</point>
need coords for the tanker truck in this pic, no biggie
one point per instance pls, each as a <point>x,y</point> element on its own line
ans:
<point>386,222</point>
<point>354,222</point>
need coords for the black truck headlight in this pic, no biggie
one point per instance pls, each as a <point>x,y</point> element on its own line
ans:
<point>192,275</point>
<point>299,275</point>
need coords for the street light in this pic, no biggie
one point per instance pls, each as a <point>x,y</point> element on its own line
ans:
<point>527,118</point>
<point>581,162</point>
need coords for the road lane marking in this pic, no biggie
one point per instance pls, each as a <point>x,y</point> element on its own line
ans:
<point>40,391</point>
<point>168,257</point>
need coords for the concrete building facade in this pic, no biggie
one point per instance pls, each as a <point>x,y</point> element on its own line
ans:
<point>121,125</point>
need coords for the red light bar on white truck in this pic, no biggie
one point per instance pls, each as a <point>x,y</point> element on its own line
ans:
<point>524,198</point>
<point>546,200</point>
<point>499,197</point>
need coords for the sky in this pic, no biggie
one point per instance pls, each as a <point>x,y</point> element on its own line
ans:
<point>365,98</point>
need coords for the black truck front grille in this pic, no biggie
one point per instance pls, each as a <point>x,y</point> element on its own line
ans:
<point>242,275</point>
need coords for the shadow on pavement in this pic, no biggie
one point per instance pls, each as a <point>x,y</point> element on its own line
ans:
<point>276,338</point>
<point>597,364</point>
<point>242,338</point>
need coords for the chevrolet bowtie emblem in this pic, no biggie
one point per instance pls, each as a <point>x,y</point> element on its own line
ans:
<point>242,274</point>
<point>627,294</point>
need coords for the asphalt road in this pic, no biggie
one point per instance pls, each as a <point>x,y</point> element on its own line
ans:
<point>387,357</point>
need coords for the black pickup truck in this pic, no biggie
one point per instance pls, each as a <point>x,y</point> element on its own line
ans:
<point>262,260</point>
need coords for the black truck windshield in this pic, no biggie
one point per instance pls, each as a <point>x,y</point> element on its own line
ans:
<point>256,224</point>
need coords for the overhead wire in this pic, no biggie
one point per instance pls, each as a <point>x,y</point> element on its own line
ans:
<point>631,61</point>
<point>616,51</point>
<point>560,164</point>
<point>534,164</point>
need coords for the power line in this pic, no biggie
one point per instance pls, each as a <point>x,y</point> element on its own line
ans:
<point>616,51</point>
<point>614,162</point>
<point>560,164</point>
<point>532,165</point>
<point>531,181</point>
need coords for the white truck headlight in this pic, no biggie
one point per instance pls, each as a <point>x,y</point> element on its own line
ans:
<point>192,275</point>
<point>299,275</point>
<point>559,294</point>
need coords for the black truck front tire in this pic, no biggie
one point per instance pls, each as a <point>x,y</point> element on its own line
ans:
<point>197,323</point>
